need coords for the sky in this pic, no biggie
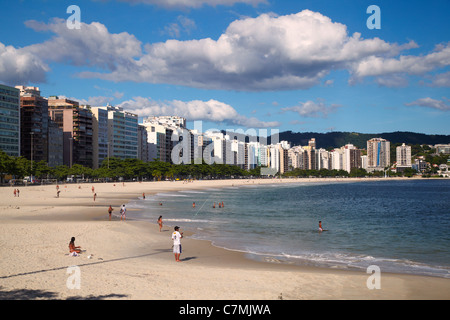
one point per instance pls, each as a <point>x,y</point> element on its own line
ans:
<point>304,66</point>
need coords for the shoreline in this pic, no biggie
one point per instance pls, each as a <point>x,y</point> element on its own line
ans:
<point>134,253</point>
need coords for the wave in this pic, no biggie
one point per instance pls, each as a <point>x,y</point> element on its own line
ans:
<point>192,191</point>
<point>187,220</point>
<point>170,195</point>
<point>342,261</point>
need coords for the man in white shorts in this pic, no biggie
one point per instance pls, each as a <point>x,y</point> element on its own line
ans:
<point>123,213</point>
<point>176,237</point>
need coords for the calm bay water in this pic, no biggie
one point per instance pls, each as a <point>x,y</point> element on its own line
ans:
<point>400,226</point>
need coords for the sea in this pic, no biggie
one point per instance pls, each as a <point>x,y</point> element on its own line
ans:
<point>400,226</point>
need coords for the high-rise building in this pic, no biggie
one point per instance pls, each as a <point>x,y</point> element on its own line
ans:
<point>76,123</point>
<point>33,124</point>
<point>163,133</point>
<point>142,143</point>
<point>352,157</point>
<point>378,154</point>
<point>403,157</point>
<point>55,145</point>
<point>122,133</point>
<point>10,120</point>
<point>100,143</point>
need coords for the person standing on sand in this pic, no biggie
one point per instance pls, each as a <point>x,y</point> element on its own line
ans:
<point>176,237</point>
<point>123,213</point>
<point>95,196</point>
<point>110,210</point>
<point>160,222</point>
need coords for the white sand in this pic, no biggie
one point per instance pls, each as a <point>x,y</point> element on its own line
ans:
<point>133,260</point>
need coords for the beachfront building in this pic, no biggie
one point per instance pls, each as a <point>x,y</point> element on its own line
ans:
<point>55,145</point>
<point>10,120</point>
<point>100,142</point>
<point>403,157</point>
<point>33,124</point>
<point>122,133</point>
<point>378,153</point>
<point>163,133</point>
<point>76,124</point>
<point>352,158</point>
<point>283,148</point>
<point>142,143</point>
<point>322,159</point>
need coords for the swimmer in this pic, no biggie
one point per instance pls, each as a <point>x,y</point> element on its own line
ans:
<point>320,227</point>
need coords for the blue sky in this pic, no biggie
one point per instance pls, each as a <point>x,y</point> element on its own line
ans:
<point>264,64</point>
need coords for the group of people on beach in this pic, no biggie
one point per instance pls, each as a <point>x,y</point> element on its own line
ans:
<point>16,192</point>
<point>221,205</point>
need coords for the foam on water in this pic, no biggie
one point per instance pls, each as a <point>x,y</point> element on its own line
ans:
<point>401,226</point>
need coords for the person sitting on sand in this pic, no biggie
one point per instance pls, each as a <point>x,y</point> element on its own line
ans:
<point>72,247</point>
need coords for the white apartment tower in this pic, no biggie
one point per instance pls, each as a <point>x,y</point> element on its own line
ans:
<point>404,156</point>
<point>378,154</point>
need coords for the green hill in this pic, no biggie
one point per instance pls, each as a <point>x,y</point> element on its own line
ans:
<point>339,139</point>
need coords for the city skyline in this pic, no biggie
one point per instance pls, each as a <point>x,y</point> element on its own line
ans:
<point>300,66</point>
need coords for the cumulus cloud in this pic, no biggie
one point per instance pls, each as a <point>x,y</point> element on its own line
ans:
<point>441,80</point>
<point>265,53</point>
<point>193,3</point>
<point>212,110</point>
<point>443,105</point>
<point>91,45</point>
<point>17,66</point>
<point>405,64</point>
<point>312,109</point>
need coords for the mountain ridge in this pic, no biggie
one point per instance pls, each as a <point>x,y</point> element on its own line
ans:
<point>337,139</point>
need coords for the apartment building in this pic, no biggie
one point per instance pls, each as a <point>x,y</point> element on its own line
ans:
<point>33,124</point>
<point>10,120</point>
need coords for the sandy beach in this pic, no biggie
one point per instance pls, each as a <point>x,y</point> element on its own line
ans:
<point>133,260</point>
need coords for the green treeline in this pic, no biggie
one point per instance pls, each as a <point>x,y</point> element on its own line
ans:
<point>114,169</point>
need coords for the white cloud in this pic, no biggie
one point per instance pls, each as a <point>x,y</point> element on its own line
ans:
<point>91,45</point>
<point>182,25</point>
<point>409,64</point>
<point>265,53</point>
<point>17,66</point>
<point>193,3</point>
<point>212,110</point>
<point>311,109</point>
<point>441,80</point>
<point>443,105</point>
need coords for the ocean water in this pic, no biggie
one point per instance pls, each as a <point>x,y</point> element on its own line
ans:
<point>400,226</point>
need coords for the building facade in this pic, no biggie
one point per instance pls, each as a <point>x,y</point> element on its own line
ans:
<point>76,123</point>
<point>403,156</point>
<point>10,120</point>
<point>378,154</point>
<point>33,124</point>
